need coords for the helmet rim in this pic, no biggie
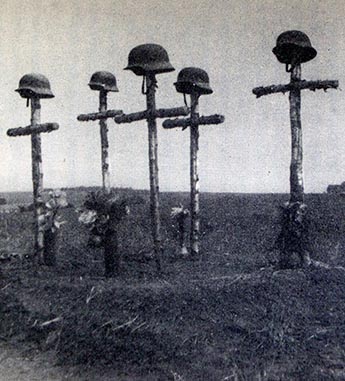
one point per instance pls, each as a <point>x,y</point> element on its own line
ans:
<point>99,81</point>
<point>187,87</point>
<point>27,92</point>
<point>153,68</point>
<point>193,80</point>
<point>149,58</point>
<point>99,87</point>
<point>284,53</point>
<point>34,85</point>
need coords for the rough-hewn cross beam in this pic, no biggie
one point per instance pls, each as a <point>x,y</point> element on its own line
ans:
<point>202,120</point>
<point>99,115</point>
<point>299,85</point>
<point>159,113</point>
<point>29,130</point>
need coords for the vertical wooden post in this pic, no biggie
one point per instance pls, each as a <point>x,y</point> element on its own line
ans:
<point>37,179</point>
<point>194,177</point>
<point>153,165</point>
<point>181,220</point>
<point>296,168</point>
<point>104,142</point>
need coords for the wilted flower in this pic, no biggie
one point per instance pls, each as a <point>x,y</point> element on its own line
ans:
<point>88,217</point>
<point>57,199</point>
<point>58,223</point>
<point>51,204</point>
<point>179,210</point>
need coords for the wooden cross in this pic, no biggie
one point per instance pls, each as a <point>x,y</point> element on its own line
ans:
<point>294,88</point>
<point>151,114</point>
<point>293,48</point>
<point>35,129</point>
<point>102,116</point>
<point>194,122</point>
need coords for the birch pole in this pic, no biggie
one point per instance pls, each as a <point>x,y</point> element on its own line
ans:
<point>37,178</point>
<point>194,122</point>
<point>296,167</point>
<point>103,82</point>
<point>102,116</point>
<point>153,166</point>
<point>194,177</point>
<point>151,114</point>
<point>104,142</point>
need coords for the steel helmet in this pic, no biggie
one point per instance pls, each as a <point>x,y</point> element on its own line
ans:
<point>193,79</point>
<point>34,86</point>
<point>294,46</point>
<point>148,58</point>
<point>103,80</point>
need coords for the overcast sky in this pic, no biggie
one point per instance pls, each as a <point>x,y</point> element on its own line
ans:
<point>68,40</point>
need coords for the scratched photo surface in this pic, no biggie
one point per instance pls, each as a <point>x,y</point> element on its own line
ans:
<point>215,250</point>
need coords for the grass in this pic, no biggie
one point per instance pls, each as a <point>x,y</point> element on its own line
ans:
<point>227,316</point>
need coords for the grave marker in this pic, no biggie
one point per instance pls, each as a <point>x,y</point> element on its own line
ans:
<point>103,82</point>
<point>148,60</point>
<point>195,82</point>
<point>294,48</point>
<point>34,87</point>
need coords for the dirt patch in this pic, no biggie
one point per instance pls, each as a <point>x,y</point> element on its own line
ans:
<point>16,366</point>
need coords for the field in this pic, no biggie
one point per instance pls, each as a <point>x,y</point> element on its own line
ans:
<point>228,316</point>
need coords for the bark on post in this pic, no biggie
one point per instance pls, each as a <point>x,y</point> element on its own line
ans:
<point>37,179</point>
<point>98,115</point>
<point>102,116</point>
<point>182,231</point>
<point>194,177</point>
<point>104,142</point>
<point>28,130</point>
<point>153,166</point>
<point>301,85</point>
<point>296,167</point>
<point>151,114</point>
<point>159,113</point>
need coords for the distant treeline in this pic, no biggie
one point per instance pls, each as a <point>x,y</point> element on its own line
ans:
<point>96,188</point>
<point>336,188</point>
<point>84,188</point>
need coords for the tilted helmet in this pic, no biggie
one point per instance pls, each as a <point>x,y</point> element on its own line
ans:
<point>103,80</point>
<point>148,58</point>
<point>294,46</point>
<point>34,86</point>
<point>193,80</point>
